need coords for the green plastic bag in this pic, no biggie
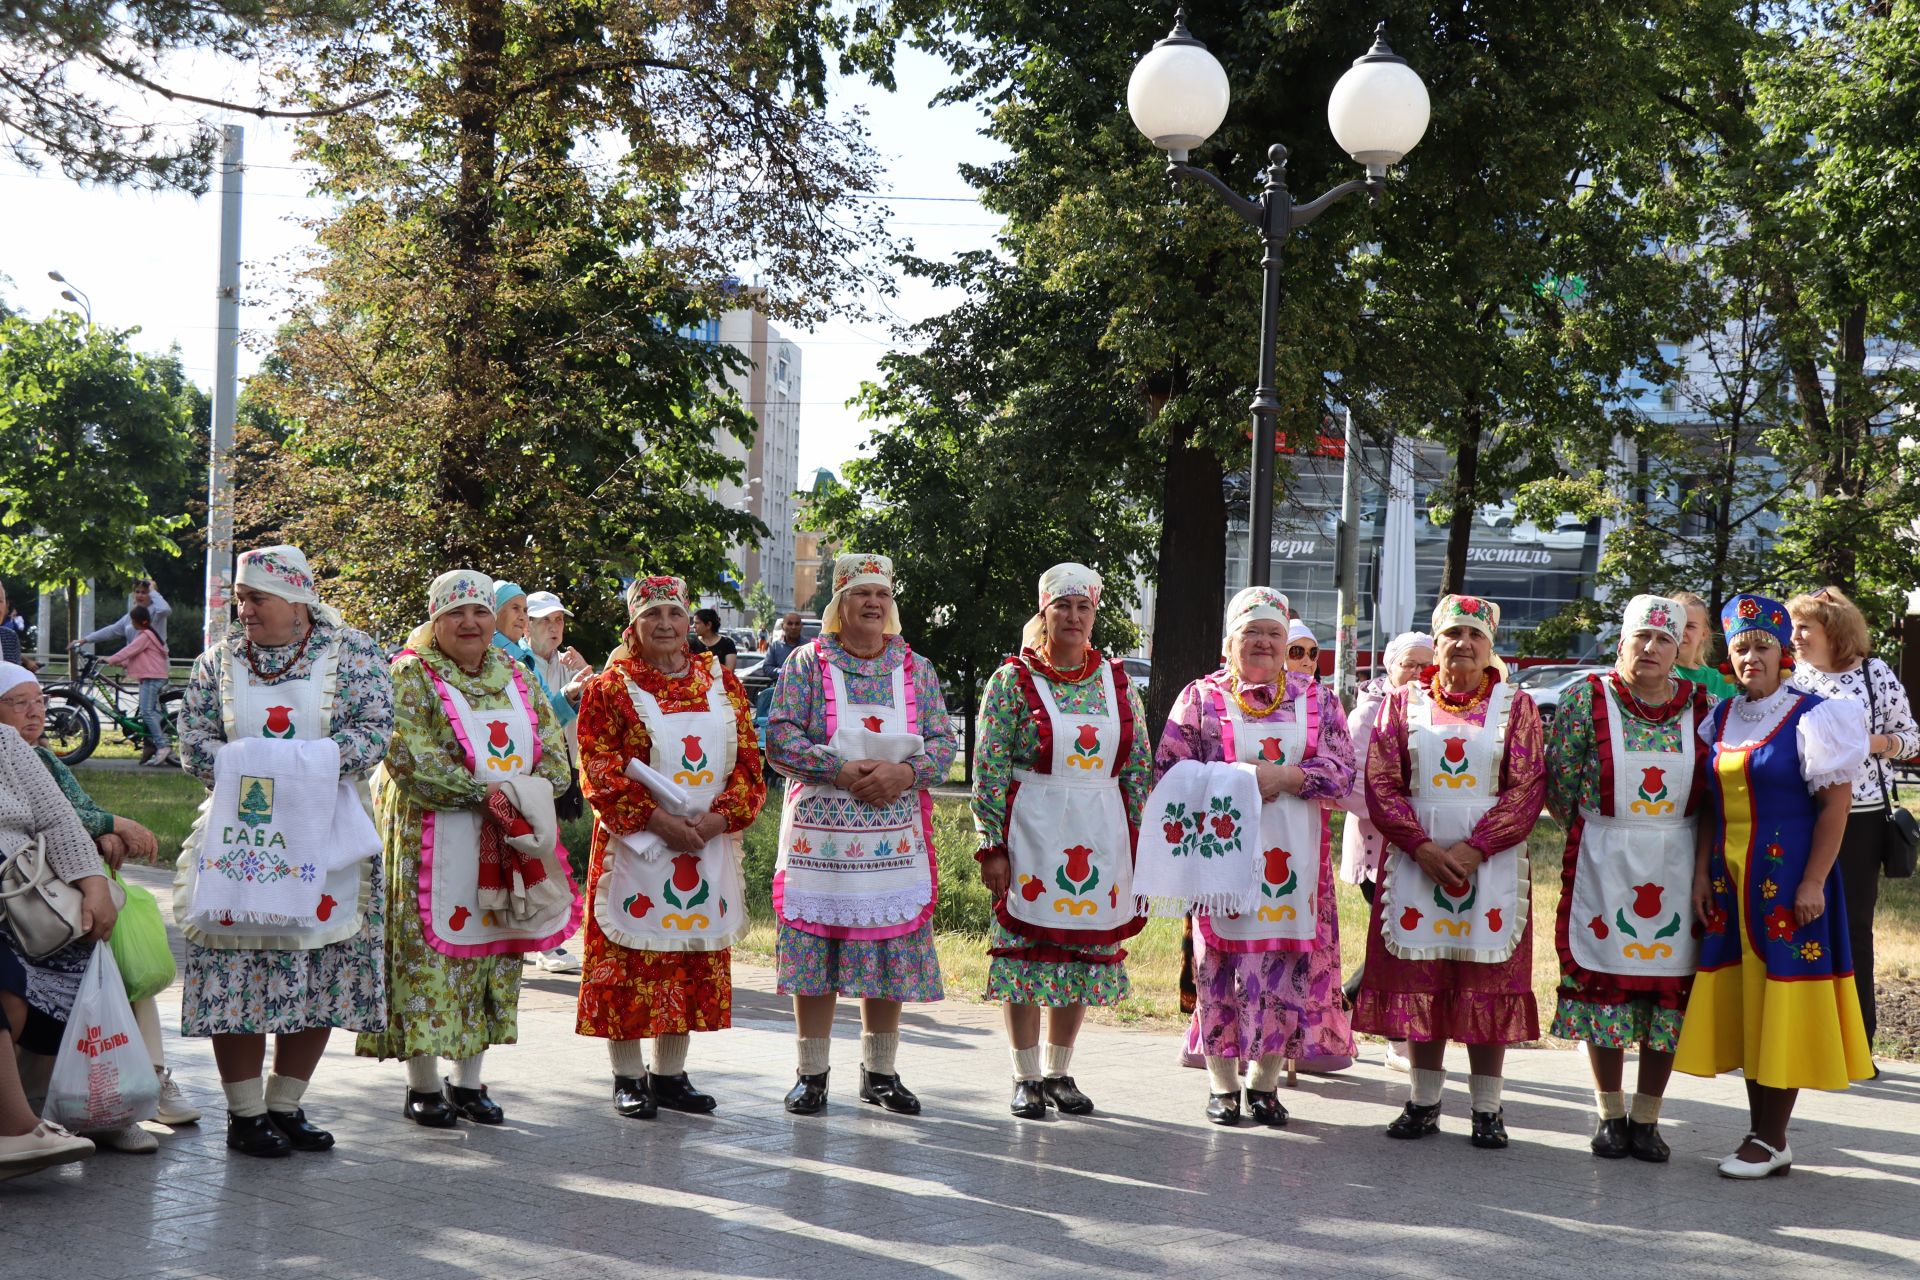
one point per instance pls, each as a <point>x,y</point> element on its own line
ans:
<point>140,945</point>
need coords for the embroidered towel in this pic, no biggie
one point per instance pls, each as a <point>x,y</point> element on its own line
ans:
<point>673,798</point>
<point>515,844</point>
<point>1197,834</point>
<point>269,835</point>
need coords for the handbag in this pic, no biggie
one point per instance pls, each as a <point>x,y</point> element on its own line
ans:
<point>42,910</point>
<point>1900,838</point>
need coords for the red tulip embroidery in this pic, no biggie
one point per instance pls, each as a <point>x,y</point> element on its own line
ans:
<point>686,888</point>
<point>692,754</point>
<point>1647,906</point>
<point>1646,900</point>
<point>1215,831</point>
<point>1279,879</point>
<point>1467,890</point>
<point>458,920</point>
<point>1410,919</point>
<point>1031,887</point>
<point>279,723</point>
<point>1453,765</point>
<point>325,909</point>
<point>1599,926</point>
<point>1086,748</point>
<point>1077,875</point>
<point>1493,919</point>
<point>500,752</point>
<point>872,723</point>
<point>1653,792</point>
<point>638,905</point>
<point>1272,752</point>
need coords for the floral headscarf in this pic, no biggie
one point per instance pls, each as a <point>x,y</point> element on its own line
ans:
<point>282,571</point>
<point>1749,612</point>
<point>659,589</point>
<point>1466,611</point>
<point>1257,604</point>
<point>459,587</point>
<point>859,569</point>
<point>1069,579</point>
<point>1654,613</point>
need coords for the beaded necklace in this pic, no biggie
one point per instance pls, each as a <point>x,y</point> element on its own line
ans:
<point>1039,663</point>
<point>1259,713</point>
<point>269,676</point>
<point>1460,704</point>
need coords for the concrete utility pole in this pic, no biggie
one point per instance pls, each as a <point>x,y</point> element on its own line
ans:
<point>226,391</point>
<point>1346,572</point>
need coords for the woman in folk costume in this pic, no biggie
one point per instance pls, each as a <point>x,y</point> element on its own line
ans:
<point>289,671</point>
<point>1455,779</point>
<point>1774,995</point>
<point>1268,978</point>
<point>1064,767</point>
<point>664,889</point>
<point>475,874</point>
<point>1625,777</point>
<point>860,727</point>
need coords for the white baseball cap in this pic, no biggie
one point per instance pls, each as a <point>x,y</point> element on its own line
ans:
<point>544,604</point>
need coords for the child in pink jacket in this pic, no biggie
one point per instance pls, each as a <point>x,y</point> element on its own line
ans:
<point>146,661</point>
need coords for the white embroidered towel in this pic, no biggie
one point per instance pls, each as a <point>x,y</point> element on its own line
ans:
<point>672,797</point>
<point>1197,834</point>
<point>269,835</point>
<point>354,838</point>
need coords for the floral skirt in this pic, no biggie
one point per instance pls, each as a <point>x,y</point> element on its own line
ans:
<point>1052,982</point>
<point>1642,1021</point>
<point>633,995</point>
<point>1459,1000</point>
<point>1252,1004</point>
<point>905,968</point>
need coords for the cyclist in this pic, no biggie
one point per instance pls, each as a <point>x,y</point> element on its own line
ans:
<point>145,659</point>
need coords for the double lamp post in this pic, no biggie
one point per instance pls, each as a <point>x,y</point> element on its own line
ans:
<point>1178,96</point>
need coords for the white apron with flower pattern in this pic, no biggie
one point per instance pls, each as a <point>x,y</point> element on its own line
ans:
<point>1455,771</point>
<point>498,744</point>
<point>1632,911</point>
<point>847,868</point>
<point>650,898</point>
<point>292,709</point>
<point>1068,839</point>
<point>1288,861</point>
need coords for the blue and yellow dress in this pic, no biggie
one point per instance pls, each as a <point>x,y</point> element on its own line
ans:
<point>1773,998</point>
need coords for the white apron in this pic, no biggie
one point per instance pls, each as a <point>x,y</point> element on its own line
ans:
<point>294,709</point>
<point>670,901</point>
<point>499,744</point>
<point>844,864</point>
<point>1453,786</point>
<point>1632,910</point>
<point>1287,858</point>
<point>1068,839</point>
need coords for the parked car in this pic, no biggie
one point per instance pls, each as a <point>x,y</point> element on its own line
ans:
<point>1139,671</point>
<point>1545,683</point>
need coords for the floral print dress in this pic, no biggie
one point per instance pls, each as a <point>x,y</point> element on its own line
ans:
<point>1023,970</point>
<point>448,1005</point>
<point>242,992</point>
<point>628,994</point>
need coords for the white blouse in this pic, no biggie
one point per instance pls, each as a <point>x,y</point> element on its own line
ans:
<point>1831,739</point>
<point>1887,708</point>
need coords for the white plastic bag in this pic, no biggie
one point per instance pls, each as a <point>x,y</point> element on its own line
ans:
<point>102,1076</point>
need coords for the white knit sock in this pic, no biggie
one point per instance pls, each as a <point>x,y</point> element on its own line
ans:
<point>629,1059</point>
<point>423,1073</point>
<point>1059,1056</point>
<point>1646,1108</point>
<point>1427,1085</point>
<point>1485,1092</point>
<point>878,1049</point>
<point>1026,1063</point>
<point>1265,1075</point>
<point>1223,1074</point>
<point>1612,1106</point>
<point>146,1012</point>
<point>815,1053</point>
<point>670,1054</point>
<point>466,1071</point>
<point>245,1097</point>
<point>284,1093</point>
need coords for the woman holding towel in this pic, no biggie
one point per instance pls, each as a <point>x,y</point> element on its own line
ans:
<point>1268,978</point>
<point>289,670</point>
<point>664,887</point>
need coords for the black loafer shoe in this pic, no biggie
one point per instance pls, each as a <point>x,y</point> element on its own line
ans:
<point>1645,1143</point>
<point>1029,1100</point>
<point>808,1096</point>
<point>1224,1108</point>
<point>256,1136</point>
<point>1266,1108</point>
<point>1415,1122</point>
<point>474,1104</point>
<point>300,1135</point>
<point>1060,1092</point>
<point>1490,1130</point>
<point>888,1092</point>
<point>633,1099</point>
<point>676,1093</point>
<point>430,1110</point>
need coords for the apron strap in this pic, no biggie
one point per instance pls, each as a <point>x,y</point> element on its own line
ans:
<point>1228,751</point>
<point>453,716</point>
<point>1603,740</point>
<point>533,716</point>
<point>1124,709</point>
<point>1042,722</point>
<point>1312,716</point>
<point>909,698</point>
<point>826,688</point>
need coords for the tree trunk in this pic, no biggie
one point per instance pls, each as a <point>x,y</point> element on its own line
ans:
<point>73,615</point>
<point>1191,574</point>
<point>1466,498</point>
<point>970,706</point>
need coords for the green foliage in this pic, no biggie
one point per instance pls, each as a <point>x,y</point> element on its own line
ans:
<point>761,608</point>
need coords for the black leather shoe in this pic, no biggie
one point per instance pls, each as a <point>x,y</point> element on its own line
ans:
<point>1490,1130</point>
<point>300,1135</point>
<point>633,1098</point>
<point>256,1136</point>
<point>1029,1100</point>
<point>1224,1108</point>
<point>1610,1139</point>
<point>676,1093</point>
<point>1266,1108</point>
<point>1645,1143</point>
<point>430,1109</point>
<point>1415,1122</point>
<point>808,1097</point>
<point>1060,1092</point>
<point>888,1092</point>
<point>474,1104</point>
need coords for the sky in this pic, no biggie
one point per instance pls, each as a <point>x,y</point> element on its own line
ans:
<point>152,260</point>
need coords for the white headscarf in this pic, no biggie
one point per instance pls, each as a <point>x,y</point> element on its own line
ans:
<point>1400,645</point>
<point>282,571</point>
<point>13,675</point>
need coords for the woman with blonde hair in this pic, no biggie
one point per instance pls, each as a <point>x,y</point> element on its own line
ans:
<point>1696,649</point>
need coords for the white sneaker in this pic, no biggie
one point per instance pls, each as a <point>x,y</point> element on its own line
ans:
<point>174,1107</point>
<point>1780,1161</point>
<point>46,1146</point>
<point>130,1138</point>
<point>558,960</point>
<point>1397,1059</point>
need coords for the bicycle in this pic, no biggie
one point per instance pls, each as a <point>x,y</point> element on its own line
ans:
<point>74,711</point>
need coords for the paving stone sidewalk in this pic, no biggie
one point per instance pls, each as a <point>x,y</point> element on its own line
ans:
<point>1145,1187</point>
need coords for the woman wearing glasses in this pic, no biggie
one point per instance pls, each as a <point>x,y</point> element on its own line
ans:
<point>1303,651</point>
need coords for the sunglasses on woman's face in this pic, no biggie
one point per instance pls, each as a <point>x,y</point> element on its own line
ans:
<point>1298,652</point>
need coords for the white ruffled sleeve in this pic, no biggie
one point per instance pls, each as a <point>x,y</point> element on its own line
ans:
<point>1833,742</point>
<point>1706,730</point>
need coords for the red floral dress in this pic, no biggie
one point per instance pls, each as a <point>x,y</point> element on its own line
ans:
<point>627,994</point>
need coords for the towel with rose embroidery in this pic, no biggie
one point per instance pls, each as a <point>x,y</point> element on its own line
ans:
<point>1197,836</point>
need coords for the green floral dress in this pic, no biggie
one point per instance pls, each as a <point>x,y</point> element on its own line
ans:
<point>439,1004</point>
<point>1049,975</point>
